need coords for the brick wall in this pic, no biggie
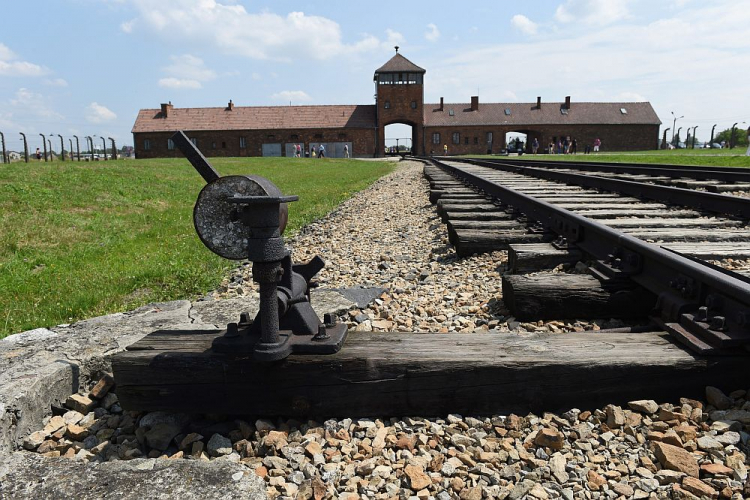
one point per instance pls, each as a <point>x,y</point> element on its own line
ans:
<point>227,143</point>
<point>613,137</point>
<point>399,99</point>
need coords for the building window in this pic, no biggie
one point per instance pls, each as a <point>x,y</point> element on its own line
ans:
<point>489,137</point>
<point>387,104</point>
<point>294,137</point>
<point>213,145</point>
<point>223,145</point>
<point>146,144</point>
<point>476,140</point>
<point>623,111</point>
<point>194,141</point>
<point>243,142</point>
<point>414,105</point>
<point>450,112</point>
<point>271,137</point>
<point>507,111</point>
<point>466,140</point>
<point>170,144</point>
<point>456,138</point>
<point>436,137</point>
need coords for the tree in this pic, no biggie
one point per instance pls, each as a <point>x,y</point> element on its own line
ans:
<point>740,136</point>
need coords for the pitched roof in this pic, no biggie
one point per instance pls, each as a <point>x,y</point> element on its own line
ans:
<point>256,118</point>
<point>580,113</point>
<point>399,64</point>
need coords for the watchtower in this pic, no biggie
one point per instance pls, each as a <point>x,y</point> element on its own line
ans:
<point>399,92</point>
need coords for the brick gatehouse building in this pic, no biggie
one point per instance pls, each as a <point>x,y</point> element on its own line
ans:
<point>466,128</point>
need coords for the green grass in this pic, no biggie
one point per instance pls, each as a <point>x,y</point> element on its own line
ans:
<point>700,157</point>
<point>83,239</point>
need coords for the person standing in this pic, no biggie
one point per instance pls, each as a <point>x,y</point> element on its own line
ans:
<point>748,142</point>
<point>299,151</point>
<point>346,151</point>
<point>38,154</point>
<point>321,151</point>
<point>535,145</point>
<point>574,146</point>
<point>597,143</point>
<point>445,150</point>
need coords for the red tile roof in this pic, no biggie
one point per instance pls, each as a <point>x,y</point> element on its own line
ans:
<point>580,113</point>
<point>256,118</point>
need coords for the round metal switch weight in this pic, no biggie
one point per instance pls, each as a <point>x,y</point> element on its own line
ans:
<point>219,222</point>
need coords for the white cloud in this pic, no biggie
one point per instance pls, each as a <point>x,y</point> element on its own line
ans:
<point>295,96</point>
<point>177,83</point>
<point>34,105</point>
<point>230,28</point>
<point>524,24</point>
<point>597,12</point>
<point>127,26</point>
<point>9,66</point>
<point>186,72</point>
<point>96,113</point>
<point>56,82</point>
<point>432,34</point>
<point>5,53</point>
<point>190,67</point>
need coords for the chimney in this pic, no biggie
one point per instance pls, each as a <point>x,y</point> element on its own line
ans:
<point>539,102</point>
<point>165,109</point>
<point>567,102</point>
<point>475,103</point>
<point>230,106</point>
<point>441,104</point>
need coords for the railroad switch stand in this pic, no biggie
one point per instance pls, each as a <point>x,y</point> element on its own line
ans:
<point>243,217</point>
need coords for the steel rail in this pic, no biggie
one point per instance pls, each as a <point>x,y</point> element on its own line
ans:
<point>725,174</point>
<point>712,202</point>
<point>691,296</point>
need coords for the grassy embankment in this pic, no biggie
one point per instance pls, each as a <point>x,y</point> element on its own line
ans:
<point>83,239</point>
<point>703,157</point>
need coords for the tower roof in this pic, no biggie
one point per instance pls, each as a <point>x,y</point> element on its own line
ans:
<point>399,64</point>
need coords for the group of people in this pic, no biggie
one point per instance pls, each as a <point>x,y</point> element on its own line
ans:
<point>565,146</point>
<point>321,153</point>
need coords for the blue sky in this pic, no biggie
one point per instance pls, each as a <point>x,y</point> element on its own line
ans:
<point>86,67</point>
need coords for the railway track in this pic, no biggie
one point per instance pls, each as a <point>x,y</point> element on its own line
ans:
<point>673,253</point>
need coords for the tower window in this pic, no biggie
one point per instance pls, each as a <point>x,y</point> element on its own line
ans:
<point>456,138</point>
<point>387,104</point>
<point>414,105</point>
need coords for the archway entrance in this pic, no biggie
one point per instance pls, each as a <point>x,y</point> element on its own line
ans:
<point>516,142</point>
<point>399,139</point>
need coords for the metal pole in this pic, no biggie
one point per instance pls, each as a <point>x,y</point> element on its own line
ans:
<point>71,149</point>
<point>114,148</point>
<point>5,155</point>
<point>91,141</point>
<point>731,136</point>
<point>44,143</point>
<point>49,144</point>
<point>104,147</point>
<point>664,138</point>
<point>694,135</point>
<point>678,135</point>
<point>62,147</point>
<point>78,148</point>
<point>711,144</point>
<point>25,147</point>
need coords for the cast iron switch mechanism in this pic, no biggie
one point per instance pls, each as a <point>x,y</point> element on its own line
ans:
<point>243,217</point>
